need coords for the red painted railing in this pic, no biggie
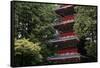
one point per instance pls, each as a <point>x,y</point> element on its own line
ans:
<point>68,50</point>
<point>68,17</point>
<point>67,34</point>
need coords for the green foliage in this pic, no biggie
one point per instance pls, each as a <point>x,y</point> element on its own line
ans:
<point>28,52</point>
<point>85,19</point>
<point>91,49</point>
<point>32,21</point>
<point>85,27</point>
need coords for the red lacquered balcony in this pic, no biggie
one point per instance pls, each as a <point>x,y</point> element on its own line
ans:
<point>67,51</point>
<point>65,10</point>
<point>68,17</point>
<point>64,27</point>
<point>68,34</point>
<point>63,44</point>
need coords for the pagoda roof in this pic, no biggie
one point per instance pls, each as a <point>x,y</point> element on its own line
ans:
<point>64,57</point>
<point>63,22</point>
<point>61,39</point>
<point>65,10</point>
<point>63,7</point>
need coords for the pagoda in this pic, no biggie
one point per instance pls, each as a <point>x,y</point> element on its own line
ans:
<point>66,40</point>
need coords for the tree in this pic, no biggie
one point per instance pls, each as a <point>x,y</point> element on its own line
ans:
<point>31,19</point>
<point>33,22</point>
<point>85,27</point>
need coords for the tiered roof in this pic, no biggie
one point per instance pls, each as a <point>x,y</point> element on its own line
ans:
<point>59,39</point>
<point>65,10</point>
<point>65,22</point>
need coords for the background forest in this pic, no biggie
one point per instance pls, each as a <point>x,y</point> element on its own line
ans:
<point>33,28</point>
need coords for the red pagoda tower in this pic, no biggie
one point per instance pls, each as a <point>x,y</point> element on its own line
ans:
<point>66,39</point>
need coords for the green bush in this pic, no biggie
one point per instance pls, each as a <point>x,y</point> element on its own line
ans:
<point>27,53</point>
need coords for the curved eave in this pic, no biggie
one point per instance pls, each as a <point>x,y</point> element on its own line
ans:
<point>63,57</point>
<point>64,7</point>
<point>64,39</point>
<point>63,22</point>
<point>63,11</point>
